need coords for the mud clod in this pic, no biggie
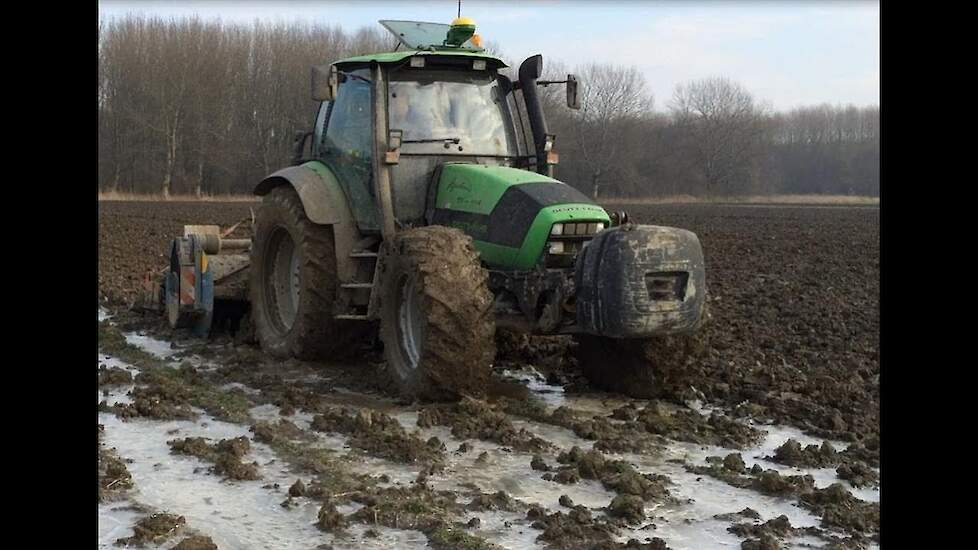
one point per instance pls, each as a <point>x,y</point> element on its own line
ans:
<point>330,519</point>
<point>765,542</point>
<point>537,463</point>
<point>475,419</point>
<point>835,504</point>
<point>840,509</point>
<point>768,482</point>
<point>867,451</point>
<point>791,453</point>
<point>629,507</point>
<point>745,513</point>
<point>413,507</point>
<point>858,474</point>
<point>771,482</point>
<point>567,476</point>
<point>770,533</point>
<point>113,476</point>
<point>196,542</point>
<point>628,411</point>
<point>153,529</point>
<point>266,432</point>
<point>298,489</point>
<point>113,376</point>
<point>734,462</point>
<point>166,393</point>
<point>496,501</point>
<point>575,529</point>
<point>614,475</point>
<point>779,527</point>
<point>566,501</point>
<point>685,424</point>
<point>453,538</point>
<point>226,455</point>
<point>380,435</point>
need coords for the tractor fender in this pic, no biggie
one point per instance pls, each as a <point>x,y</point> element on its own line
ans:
<point>324,203</point>
<point>320,192</point>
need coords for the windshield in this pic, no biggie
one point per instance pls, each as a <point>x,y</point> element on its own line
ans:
<point>465,111</point>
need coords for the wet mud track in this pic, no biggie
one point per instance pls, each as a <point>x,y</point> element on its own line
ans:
<point>544,462</point>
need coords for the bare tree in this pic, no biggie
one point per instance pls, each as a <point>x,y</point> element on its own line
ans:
<point>205,107</point>
<point>722,128</point>
<point>613,99</point>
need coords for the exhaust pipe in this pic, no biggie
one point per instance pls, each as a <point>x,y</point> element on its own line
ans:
<point>530,70</point>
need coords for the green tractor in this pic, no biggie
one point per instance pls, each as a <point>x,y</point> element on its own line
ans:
<point>423,205</point>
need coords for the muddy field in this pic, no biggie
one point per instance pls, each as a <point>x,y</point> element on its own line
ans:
<point>772,443</point>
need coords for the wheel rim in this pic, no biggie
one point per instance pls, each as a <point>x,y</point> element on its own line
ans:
<point>409,322</point>
<point>282,282</point>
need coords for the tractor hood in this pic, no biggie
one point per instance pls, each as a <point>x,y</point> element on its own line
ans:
<point>508,212</point>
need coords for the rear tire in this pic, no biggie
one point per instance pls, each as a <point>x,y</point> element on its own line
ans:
<point>436,317</point>
<point>293,283</point>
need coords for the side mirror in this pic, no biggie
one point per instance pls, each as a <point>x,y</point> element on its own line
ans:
<point>573,100</point>
<point>325,82</point>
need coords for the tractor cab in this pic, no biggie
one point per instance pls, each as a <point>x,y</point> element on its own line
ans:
<point>437,99</point>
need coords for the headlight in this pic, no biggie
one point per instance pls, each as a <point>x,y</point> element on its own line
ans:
<point>557,229</point>
<point>556,247</point>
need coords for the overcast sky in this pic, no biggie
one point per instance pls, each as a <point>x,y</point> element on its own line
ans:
<point>786,53</point>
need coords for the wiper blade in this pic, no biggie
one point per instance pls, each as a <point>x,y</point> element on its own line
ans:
<point>446,141</point>
<point>355,77</point>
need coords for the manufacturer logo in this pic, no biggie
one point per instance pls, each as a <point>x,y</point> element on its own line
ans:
<point>458,186</point>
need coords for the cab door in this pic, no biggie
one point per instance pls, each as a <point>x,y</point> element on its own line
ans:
<point>344,144</point>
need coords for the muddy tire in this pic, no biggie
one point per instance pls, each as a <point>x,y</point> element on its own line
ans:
<point>293,283</point>
<point>436,317</point>
<point>641,368</point>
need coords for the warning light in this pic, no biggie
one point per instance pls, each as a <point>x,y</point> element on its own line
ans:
<point>461,30</point>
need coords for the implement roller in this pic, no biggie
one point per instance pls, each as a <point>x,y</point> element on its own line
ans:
<point>204,268</point>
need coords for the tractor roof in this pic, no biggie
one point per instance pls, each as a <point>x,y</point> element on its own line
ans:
<point>395,57</point>
<point>428,39</point>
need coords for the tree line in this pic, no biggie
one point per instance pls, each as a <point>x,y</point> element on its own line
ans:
<point>187,106</point>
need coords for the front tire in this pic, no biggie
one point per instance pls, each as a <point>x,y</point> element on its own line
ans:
<point>293,282</point>
<point>643,368</point>
<point>436,317</point>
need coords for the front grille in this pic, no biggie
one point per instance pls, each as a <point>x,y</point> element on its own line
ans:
<point>576,229</point>
<point>666,286</point>
<point>567,240</point>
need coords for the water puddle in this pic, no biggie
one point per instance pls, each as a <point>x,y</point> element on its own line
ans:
<point>157,348</point>
<point>248,514</point>
<point>235,514</point>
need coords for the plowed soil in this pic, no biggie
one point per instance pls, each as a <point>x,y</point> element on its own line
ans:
<point>794,292</point>
<point>795,298</point>
<point>794,342</point>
